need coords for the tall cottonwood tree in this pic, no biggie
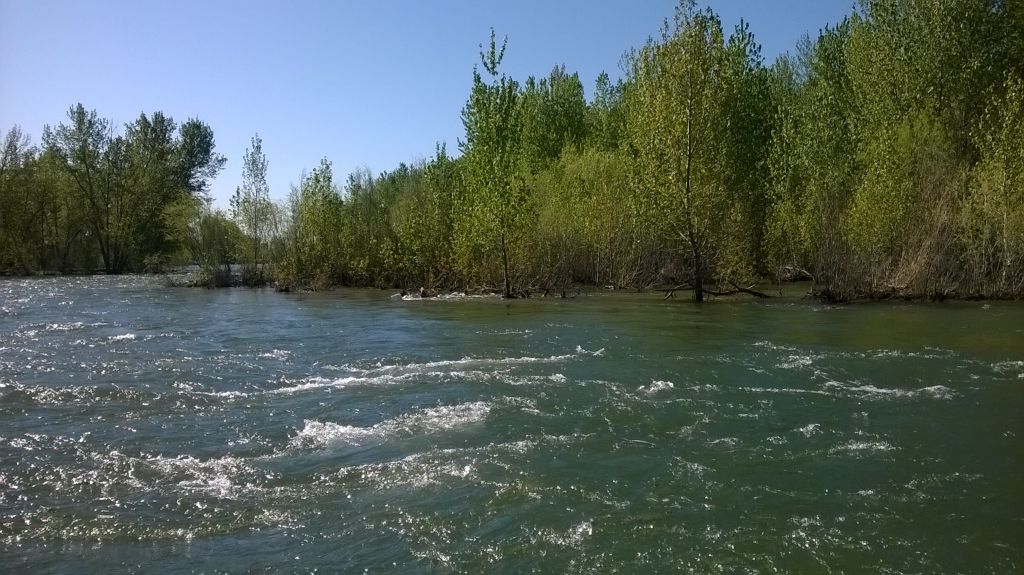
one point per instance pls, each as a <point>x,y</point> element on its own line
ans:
<point>677,135</point>
<point>252,209</point>
<point>812,162</point>
<point>496,207</point>
<point>18,210</point>
<point>121,184</point>
<point>95,159</point>
<point>316,228</point>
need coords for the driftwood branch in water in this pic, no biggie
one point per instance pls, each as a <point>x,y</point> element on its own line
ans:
<point>671,292</point>
<point>735,290</point>
<point>750,290</point>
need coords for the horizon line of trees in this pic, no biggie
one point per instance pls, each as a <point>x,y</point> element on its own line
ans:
<point>884,158</point>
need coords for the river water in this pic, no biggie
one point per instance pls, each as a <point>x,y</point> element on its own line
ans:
<point>153,429</point>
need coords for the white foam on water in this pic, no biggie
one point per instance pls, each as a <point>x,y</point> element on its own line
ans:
<point>276,354</point>
<point>796,362</point>
<point>810,429</point>
<point>64,326</point>
<point>431,420</point>
<point>938,391</point>
<point>931,353</point>
<point>419,470</point>
<point>869,389</point>
<point>223,477</point>
<point>725,441</point>
<point>656,386</point>
<point>572,537</point>
<point>453,296</point>
<point>318,382</point>
<point>783,390</point>
<point>774,347</point>
<point>507,332</point>
<point>875,392</point>
<point>224,394</point>
<point>122,337</point>
<point>459,364</point>
<point>855,446</point>
<point>320,434</point>
<point>382,377</point>
<point>1008,367</point>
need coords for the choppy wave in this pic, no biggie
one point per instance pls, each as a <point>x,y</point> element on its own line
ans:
<point>657,386</point>
<point>872,391</point>
<point>860,446</point>
<point>431,420</point>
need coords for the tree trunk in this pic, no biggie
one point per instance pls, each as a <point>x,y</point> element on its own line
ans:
<point>504,261</point>
<point>698,276</point>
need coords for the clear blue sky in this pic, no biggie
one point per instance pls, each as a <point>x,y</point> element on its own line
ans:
<point>363,83</point>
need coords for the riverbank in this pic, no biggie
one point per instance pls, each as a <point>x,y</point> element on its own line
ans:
<point>193,277</point>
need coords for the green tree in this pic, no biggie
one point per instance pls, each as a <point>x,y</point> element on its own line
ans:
<point>992,219</point>
<point>604,116</point>
<point>422,220</point>
<point>316,217</point>
<point>94,160</point>
<point>208,237</point>
<point>19,210</point>
<point>495,210</point>
<point>254,213</point>
<point>197,159</point>
<point>813,160</point>
<point>677,133</point>
<point>553,116</point>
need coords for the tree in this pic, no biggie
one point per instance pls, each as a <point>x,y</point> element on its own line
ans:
<point>422,219</point>
<point>553,117</point>
<point>316,218</point>
<point>121,184</point>
<point>253,211</point>
<point>94,159</point>
<point>149,183</point>
<point>496,207</point>
<point>208,236</point>
<point>677,133</point>
<point>18,211</point>
<point>197,159</point>
<point>604,116</point>
<point>992,219</point>
<point>813,160</point>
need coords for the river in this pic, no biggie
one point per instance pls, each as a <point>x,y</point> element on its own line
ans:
<point>154,429</point>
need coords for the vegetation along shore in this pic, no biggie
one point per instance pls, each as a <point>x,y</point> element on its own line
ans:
<point>883,158</point>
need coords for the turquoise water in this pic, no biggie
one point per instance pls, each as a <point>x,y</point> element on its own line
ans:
<point>152,429</point>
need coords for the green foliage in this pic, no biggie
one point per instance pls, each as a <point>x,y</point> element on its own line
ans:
<point>91,197</point>
<point>254,213</point>
<point>315,246</point>
<point>554,113</point>
<point>992,218</point>
<point>605,115</point>
<point>423,221</point>
<point>17,203</point>
<point>695,130</point>
<point>209,238</point>
<point>812,159</point>
<point>495,209</point>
